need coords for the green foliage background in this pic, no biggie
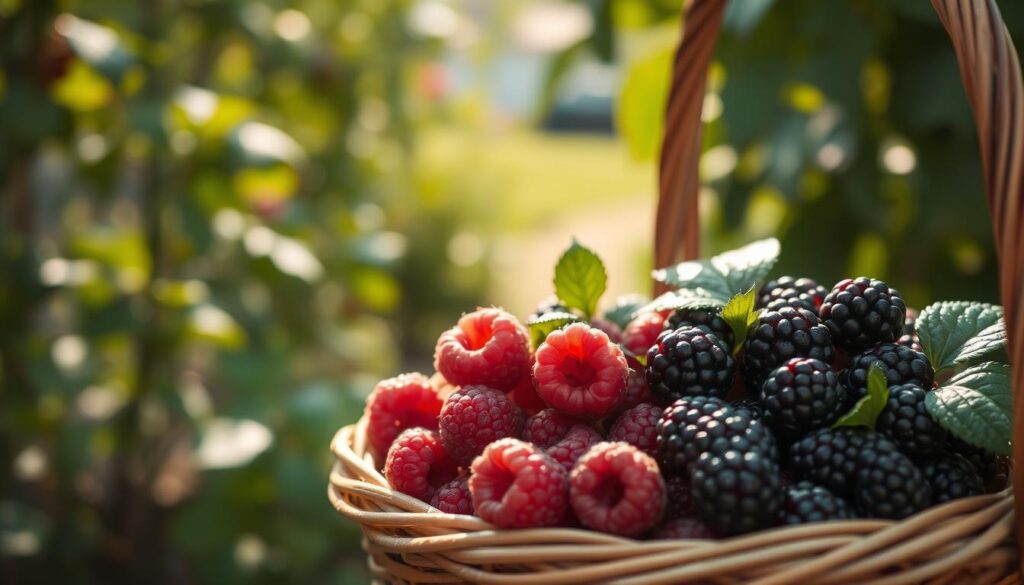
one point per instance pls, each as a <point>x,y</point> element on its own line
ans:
<point>216,237</point>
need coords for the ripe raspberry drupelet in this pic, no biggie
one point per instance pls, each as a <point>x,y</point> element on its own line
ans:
<point>580,372</point>
<point>643,331</point>
<point>618,489</point>
<point>454,497</point>
<point>475,416</point>
<point>689,362</point>
<point>637,390</point>
<point>417,463</point>
<point>860,312</point>
<point>568,450</point>
<point>548,427</point>
<point>400,403</point>
<point>515,485</point>
<point>487,347</point>
<point>638,427</point>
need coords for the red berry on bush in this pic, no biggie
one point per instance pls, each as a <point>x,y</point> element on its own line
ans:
<point>516,485</point>
<point>616,488</point>
<point>487,347</point>
<point>580,372</point>
<point>396,404</point>
<point>473,417</point>
<point>417,463</point>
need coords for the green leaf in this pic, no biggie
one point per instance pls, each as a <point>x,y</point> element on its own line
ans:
<point>867,409</point>
<point>541,327</point>
<point>624,309</point>
<point>955,332</point>
<point>682,299</point>
<point>580,279</point>
<point>976,406</point>
<point>740,314</point>
<point>726,274</point>
<point>639,115</point>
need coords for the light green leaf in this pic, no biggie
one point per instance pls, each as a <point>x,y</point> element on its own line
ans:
<point>580,279</point>
<point>740,314</point>
<point>867,409</point>
<point>726,274</point>
<point>639,115</point>
<point>976,406</point>
<point>540,327</point>
<point>955,332</point>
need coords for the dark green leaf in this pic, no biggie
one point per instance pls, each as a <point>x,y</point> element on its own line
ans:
<point>955,332</point>
<point>867,409</point>
<point>682,299</point>
<point>976,406</point>
<point>540,327</point>
<point>726,274</point>
<point>580,279</point>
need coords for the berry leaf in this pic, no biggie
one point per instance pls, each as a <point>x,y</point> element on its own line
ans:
<point>975,405</point>
<point>625,307</point>
<point>540,327</point>
<point>580,279</point>
<point>726,274</point>
<point>955,332</point>
<point>697,298</point>
<point>740,314</point>
<point>867,409</point>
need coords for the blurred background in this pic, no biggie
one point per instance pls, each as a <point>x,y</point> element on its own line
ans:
<point>225,220</point>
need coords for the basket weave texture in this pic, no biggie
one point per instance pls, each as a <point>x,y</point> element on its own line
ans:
<point>964,541</point>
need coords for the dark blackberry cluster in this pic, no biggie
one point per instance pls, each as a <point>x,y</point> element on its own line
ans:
<point>906,422</point>
<point>737,490</point>
<point>888,484</point>
<point>706,318</point>
<point>828,457</point>
<point>750,406</point>
<point>986,464</point>
<point>900,364</point>
<point>861,312</point>
<point>786,291</point>
<point>689,362</point>
<point>951,477</point>
<point>800,396</point>
<point>781,335</point>
<point>805,503</point>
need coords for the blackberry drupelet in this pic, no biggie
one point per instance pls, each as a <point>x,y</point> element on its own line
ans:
<point>689,362</point>
<point>906,422</point>
<point>692,425</point>
<point>805,503</point>
<point>800,396</point>
<point>952,477</point>
<point>985,463</point>
<point>900,364</point>
<point>781,335</point>
<point>861,312</point>
<point>706,318</point>
<point>787,291</point>
<point>888,484</point>
<point>736,491</point>
<point>828,457</point>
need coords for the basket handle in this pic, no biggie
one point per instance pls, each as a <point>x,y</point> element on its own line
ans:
<point>992,80</point>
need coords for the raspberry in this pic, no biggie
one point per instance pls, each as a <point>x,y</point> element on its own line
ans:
<point>610,329</point>
<point>474,416</point>
<point>828,457</point>
<point>637,391</point>
<point>689,362</point>
<point>548,427</point>
<point>488,347</point>
<point>515,485</point>
<point>805,503</point>
<point>643,331</point>
<point>888,485</point>
<point>900,364</point>
<point>801,396</point>
<point>524,395</point>
<point>786,291</point>
<point>709,319</point>
<point>443,387</point>
<point>417,463</point>
<point>454,497</point>
<point>694,425</point>
<point>861,312</point>
<point>580,372</point>
<point>576,442</point>
<point>951,477</point>
<point>680,497</point>
<point>397,404</point>
<point>781,335</point>
<point>737,491</point>
<point>618,489</point>
<point>906,422</point>
<point>686,528</point>
<point>638,427</point>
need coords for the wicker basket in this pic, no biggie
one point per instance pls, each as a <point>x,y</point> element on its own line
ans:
<point>964,541</point>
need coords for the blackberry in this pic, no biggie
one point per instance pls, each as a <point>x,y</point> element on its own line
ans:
<point>901,365</point>
<point>828,457</point>
<point>888,485</point>
<point>736,491</point>
<point>751,406</point>
<point>805,503</point>
<point>952,477</point>
<point>986,464</point>
<point>692,425</point>
<point>781,335</point>
<point>800,396</point>
<point>906,422</point>
<point>787,291</point>
<point>861,312</point>
<point>689,362</point>
<point>706,318</point>
<point>909,337</point>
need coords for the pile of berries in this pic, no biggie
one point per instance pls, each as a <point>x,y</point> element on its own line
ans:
<point>673,425</point>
